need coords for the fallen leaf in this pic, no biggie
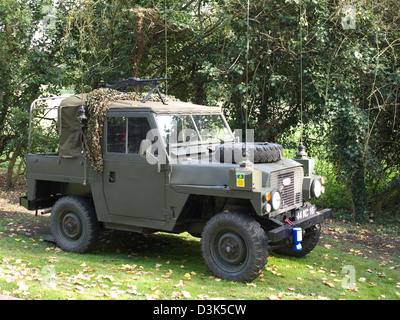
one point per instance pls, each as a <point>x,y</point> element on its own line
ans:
<point>22,286</point>
<point>176,294</point>
<point>154,288</point>
<point>179,284</point>
<point>329,284</point>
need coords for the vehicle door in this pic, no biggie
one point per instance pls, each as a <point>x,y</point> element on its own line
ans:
<point>132,187</point>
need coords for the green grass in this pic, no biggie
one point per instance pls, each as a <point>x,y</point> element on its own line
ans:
<point>163,266</point>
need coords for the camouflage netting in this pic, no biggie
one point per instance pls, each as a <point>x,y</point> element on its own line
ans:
<point>97,104</point>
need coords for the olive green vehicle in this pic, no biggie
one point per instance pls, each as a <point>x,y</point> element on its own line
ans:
<point>176,167</point>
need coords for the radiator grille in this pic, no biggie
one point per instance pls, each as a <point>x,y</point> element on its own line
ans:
<point>289,182</point>
<point>287,193</point>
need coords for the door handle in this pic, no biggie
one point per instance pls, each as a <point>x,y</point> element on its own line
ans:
<point>111,177</point>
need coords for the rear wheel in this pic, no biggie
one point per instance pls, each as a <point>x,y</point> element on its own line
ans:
<point>234,246</point>
<point>74,224</point>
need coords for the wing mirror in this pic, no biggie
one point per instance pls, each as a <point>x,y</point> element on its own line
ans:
<point>145,152</point>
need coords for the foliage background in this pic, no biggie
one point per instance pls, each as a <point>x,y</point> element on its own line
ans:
<point>311,78</point>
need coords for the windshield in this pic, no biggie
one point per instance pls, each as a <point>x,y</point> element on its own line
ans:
<point>176,129</point>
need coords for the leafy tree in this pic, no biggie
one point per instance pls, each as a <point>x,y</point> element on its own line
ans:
<point>28,60</point>
<point>312,67</point>
<point>309,65</point>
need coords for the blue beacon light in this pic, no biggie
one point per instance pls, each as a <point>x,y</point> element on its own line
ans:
<point>297,238</point>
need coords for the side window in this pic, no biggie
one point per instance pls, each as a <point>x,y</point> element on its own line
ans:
<point>137,131</point>
<point>124,135</point>
<point>116,134</point>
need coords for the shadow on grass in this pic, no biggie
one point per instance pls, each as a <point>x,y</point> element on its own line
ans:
<point>169,246</point>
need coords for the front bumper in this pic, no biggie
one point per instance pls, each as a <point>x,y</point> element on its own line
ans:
<point>285,230</point>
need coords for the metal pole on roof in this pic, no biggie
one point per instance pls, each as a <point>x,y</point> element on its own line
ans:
<point>31,108</point>
<point>166,47</point>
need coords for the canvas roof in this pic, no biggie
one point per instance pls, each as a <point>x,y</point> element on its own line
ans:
<point>71,135</point>
<point>174,107</point>
<point>154,106</point>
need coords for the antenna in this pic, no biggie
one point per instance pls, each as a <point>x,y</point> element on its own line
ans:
<point>166,47</point>
<point>246,162</point>
<point>301,154</point>
<point>82,114</point>
<point>301,73</point>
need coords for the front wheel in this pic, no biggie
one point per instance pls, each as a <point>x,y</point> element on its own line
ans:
<point>234,246</point>
<point>74,224</point>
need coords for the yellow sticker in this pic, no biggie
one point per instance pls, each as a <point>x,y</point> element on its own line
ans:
<point>240,180</point>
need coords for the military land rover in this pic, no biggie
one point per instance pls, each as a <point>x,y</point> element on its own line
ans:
<point>173,167</point>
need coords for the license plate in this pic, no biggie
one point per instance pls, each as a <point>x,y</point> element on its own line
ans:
<point>306,212</point>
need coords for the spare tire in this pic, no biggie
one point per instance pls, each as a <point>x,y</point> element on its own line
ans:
<point>258,152</point>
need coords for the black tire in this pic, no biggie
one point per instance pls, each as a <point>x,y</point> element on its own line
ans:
<point>310,240</point>
<point>74,224</point>
<point>261,152</point>
<point>234,247</point>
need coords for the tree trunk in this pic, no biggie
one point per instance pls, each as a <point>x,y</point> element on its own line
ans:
<point>11,164</point>
<point>378,206</point>
<point>358,193</point>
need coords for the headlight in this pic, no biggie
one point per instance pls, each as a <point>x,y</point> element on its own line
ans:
<point>275,200</point>
<point>316,188</point>
<point>267,208</point>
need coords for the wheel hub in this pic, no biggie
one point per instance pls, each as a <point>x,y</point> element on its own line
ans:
<point>71,225</point>
<point>232,249</point>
